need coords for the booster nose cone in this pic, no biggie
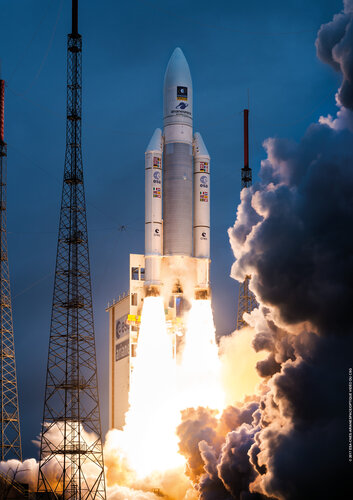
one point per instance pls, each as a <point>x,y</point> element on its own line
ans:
<point>155,143</point>
<point>177,90</point>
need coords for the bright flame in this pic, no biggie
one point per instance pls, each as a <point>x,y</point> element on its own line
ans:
<point>199,381</point>
<point>160,389</point>
<point>238,365</point>
<point>151,421</point>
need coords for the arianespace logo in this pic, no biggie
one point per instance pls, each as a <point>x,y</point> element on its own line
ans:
<point>182,105</point>
<point>156,177</point>
<point>204,181</point>
<point>203,236</point>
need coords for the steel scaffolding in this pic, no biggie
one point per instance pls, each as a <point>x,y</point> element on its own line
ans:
<point>71,454</point>
<point>10,420</point>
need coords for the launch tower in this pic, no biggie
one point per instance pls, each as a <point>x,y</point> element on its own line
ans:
<point>10,436</point>
<point>246,300</point>
<point>71,445</point>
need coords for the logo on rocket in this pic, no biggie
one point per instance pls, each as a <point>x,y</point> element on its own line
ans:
<point>182,94</point>
<point>181,105</point>
<point>156,177</point>
<point>204,181</point>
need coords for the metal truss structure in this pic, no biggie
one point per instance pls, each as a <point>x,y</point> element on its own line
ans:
<point>246,300</point>
<point>10,435</point>
<point>71,455</point>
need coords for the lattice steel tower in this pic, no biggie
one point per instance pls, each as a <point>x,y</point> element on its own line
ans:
<point>10,437</point>
<point>71,455</point>
<point>246,300</point>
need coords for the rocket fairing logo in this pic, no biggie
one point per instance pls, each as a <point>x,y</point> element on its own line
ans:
<point>181,105</point>
<point>204,196</point>
<point>157,177</point>
<point>156,162</point>
<point>203,236</point>
<point>156,232</point>
<point>182,93</point>
<point>204,166</point>
<point>156,192</point>
<point>204,181</point>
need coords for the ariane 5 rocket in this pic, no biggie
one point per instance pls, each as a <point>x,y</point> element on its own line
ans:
<point>177,195</point>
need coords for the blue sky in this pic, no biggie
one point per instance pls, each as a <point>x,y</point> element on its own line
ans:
<point>266,47</point>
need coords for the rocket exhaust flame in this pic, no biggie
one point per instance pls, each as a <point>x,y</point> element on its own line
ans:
<point>199,372</point>
<point>152,418</point>
<point>161,389</point>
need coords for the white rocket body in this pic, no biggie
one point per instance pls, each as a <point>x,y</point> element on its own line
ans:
<point>179,244</point>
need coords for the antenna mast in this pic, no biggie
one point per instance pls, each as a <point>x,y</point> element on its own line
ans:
<point>246,300</point>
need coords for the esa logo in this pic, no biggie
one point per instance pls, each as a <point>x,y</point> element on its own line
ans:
<point>203,236</point>
<point>156,232</point>
<point>204,181</point>
<point>156,177</point>
<point>181,105</point>
<point>121,328</point>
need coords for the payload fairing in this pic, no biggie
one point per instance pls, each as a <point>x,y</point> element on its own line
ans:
<point>177,196</point>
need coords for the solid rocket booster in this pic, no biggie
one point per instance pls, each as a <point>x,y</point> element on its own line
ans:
<point>182,195</point>
<point>153,208</point>
<point>201,199</point>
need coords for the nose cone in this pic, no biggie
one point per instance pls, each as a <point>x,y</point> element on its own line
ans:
<point>177,90</point>
<point>178,72</point>
<point>155,143</point>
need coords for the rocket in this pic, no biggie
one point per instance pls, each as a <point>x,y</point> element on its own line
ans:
<point>177,195</point>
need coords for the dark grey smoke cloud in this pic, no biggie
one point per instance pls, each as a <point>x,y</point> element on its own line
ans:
<point>217,451</point>
<point>293,235</point>
<point>334,46</point>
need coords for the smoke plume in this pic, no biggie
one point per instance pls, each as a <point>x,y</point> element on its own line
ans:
<point>293,236</point>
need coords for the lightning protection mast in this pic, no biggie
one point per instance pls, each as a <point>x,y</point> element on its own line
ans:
<point>246,300</point>
<point>71,456</point>
<point>10,421</point>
